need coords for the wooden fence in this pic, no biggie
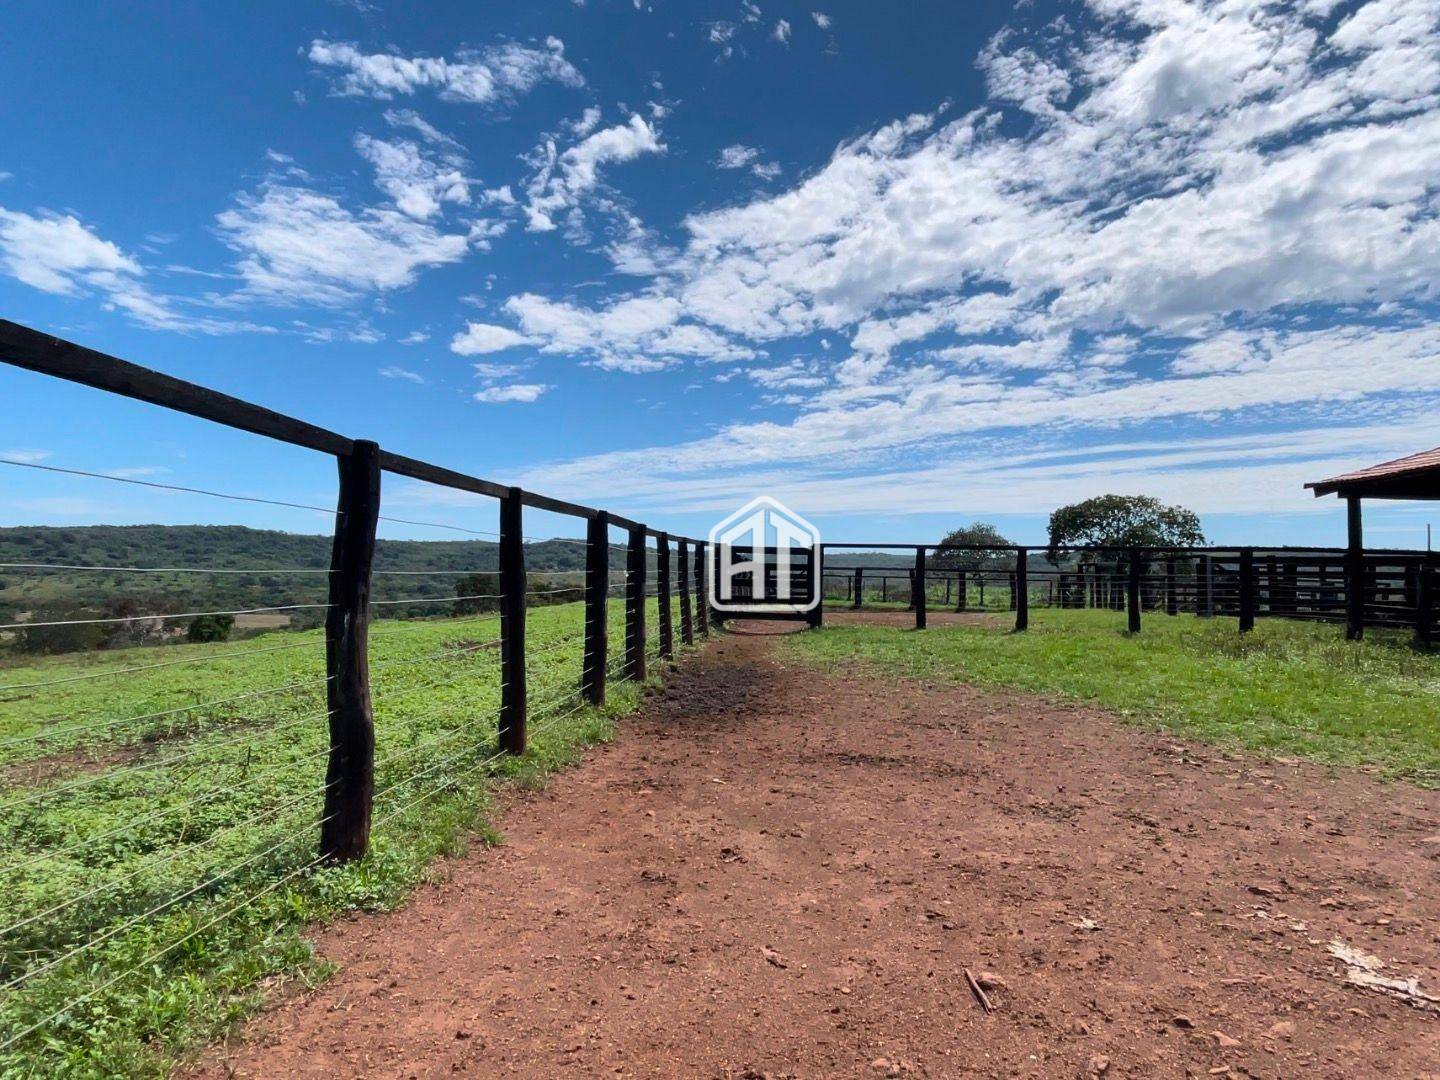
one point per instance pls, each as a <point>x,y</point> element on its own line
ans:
<point>1387,589</point>
<point>349,781</point>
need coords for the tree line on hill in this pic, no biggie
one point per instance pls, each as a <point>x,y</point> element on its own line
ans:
<point>456,577</point>
<point>171,555</point>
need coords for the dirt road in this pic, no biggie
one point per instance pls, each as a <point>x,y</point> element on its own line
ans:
<point>778,872</point>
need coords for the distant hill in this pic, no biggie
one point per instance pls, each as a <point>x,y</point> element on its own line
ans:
<point>232,547</point>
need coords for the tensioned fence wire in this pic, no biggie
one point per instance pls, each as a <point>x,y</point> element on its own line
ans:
<point>224,835</point>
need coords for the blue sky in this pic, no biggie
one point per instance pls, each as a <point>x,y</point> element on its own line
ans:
<point>902,266</point>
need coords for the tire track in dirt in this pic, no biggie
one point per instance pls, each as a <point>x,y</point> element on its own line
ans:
<point>781,872</point>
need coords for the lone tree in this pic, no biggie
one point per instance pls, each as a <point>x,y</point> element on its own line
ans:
<point>1114,522</point>
<point>978,534</point>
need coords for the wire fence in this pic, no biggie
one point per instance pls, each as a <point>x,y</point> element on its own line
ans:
<point>1389,590</point>
<point>160,803</point>
<point>216,776</point>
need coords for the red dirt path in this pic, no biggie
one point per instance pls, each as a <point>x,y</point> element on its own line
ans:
<point>781,872</point>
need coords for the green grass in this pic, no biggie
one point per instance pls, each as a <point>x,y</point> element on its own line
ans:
<point>1287,688</point>
<point>161,869</point>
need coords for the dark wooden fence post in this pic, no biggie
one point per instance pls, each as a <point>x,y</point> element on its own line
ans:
<point>702,593</point>
<point>859,585</point>
<point>1172,598</point>
<point>962,590</point>
<point>917,588</point>
<point>815,617</point>
<point>350,773</point>
<point>1424,603</point>
<point>635,604</point>
<point>1022,589</point>
<point>1132,592</point>
<point>1354,572</point>
<point>1247,590</point>
<point>512,624</point>
<point>687,625</point>
<point>662,575</point>
<point>597,599</point>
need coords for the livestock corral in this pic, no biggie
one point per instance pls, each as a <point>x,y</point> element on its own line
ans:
<point>981,810</point>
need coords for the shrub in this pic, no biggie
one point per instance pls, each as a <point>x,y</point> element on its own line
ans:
<point>210,628</point>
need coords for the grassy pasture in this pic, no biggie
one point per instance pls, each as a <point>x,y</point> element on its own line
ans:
<point>158,859</point>
<point>1287,688</point>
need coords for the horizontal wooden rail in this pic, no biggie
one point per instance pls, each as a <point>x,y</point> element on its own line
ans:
<point>23,347</point>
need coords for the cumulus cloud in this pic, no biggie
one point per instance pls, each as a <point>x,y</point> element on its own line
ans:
<point>418,182</point>
<point>644,333</point>
<point>57,253</point>
<point>740,156</point>
<point>1177,211</point>
<point>736,156</point>
<point>394,372</point>
<point>522,393</point>
<point>479,338</point>
<point>482,77</point>
<point>298,245</point>
<point>563,178</point>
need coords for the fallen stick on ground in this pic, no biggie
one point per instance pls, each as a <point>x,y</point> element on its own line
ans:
<point>1363,970</point>
<point>980,995</point>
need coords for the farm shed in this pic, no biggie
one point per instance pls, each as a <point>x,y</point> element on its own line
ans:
<point>1416,476</point>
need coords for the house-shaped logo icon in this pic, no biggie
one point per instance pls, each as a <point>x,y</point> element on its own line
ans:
<point>764,554</point>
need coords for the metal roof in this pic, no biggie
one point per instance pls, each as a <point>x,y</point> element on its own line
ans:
<point>1416,476</point>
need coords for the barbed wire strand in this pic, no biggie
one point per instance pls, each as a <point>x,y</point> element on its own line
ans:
<point>157,617</point>
<point>48,734</point>
<point>113,774</point>
<point>151,667</point>
<point>147,961</point>
<point>166,487</point>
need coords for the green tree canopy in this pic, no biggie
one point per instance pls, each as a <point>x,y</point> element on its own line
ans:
<point>210,628</point>
<point>978,533</point>
<point>1124,521</point>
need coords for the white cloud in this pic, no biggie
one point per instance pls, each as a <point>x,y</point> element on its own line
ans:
<point>409,118</point>
<point>740,156</point>
<point>588,121</point>
<point>418,183</point>
<point>736,156</point>
<point>393,372</point>
<point>298,245</point>
<point>563,179</point>
<point>25,457</point>
<point>821,19</point>
<point>415,337</point>
<point>57,253</point>
<point>781,33</point>
<point>1022,77</point>
<point>478,338</point>
<point>643,333</point>
<point>523,393</point>
<point>480,77</point>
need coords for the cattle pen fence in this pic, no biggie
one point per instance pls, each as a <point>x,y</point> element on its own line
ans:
<point>204,823</point>
<point>1385,589</point>
<point>134,822</point>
